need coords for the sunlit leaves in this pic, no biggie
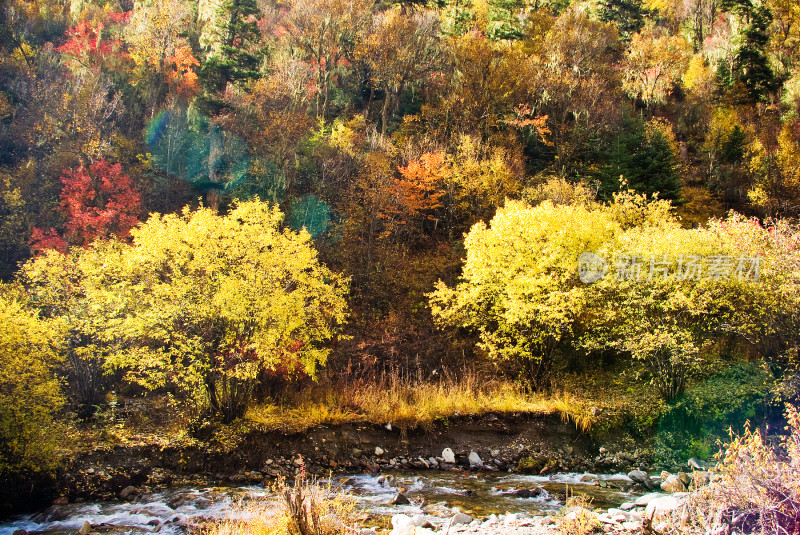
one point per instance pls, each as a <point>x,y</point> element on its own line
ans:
<point>30,393</point>
<point>205,302</point>
<point>653,65</point>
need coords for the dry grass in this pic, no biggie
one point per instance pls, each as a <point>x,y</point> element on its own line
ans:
<point>576,517</point>
<point>409,403</point>
<point>305,508</point>
<point>755,489</point>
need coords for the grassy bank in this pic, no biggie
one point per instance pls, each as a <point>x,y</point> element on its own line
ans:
<point>408,403</point>
<point>595,403</point>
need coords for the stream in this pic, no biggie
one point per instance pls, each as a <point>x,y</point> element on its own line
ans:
<point>172,510</point>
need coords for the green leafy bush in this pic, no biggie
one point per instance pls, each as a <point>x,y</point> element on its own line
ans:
<point>692,422</point>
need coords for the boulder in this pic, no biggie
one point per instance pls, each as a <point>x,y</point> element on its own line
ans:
<point>696,464</point>
<point>460,518</point>
<point>128,492</point>
<point>475,460</point>
<point>400,499</point>
<point>420,521</point>
<point>639,476</point>
<point>685,478</point>
<point>642,501</point>
<point>400,520</point>
<point>673,484</point>
<point>448,456</point>
<point>86,528</point>
<point>527,493</point>
<point>663,506</point>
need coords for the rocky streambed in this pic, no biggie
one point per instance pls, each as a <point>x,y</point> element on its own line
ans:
<point>513,471</point>
<point>400,502</point>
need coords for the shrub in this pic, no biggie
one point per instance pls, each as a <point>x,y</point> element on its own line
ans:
<point>755,488</point>
<point>695,420</point>
<point>30,393</point>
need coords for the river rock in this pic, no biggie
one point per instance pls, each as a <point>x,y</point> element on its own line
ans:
<point>448,456</point>
<point>685,478</point>
<point>400,499</point>
<point>400,520</point>
<point>527,493</point>
<point>420,521</point>
<point>460,518</point>
<point>86,528</point>
<point>663,506</point>
<point>379,451</point>
<point>696,464</point>
<point>673,484</point>
<point>128,492</point>
<point>642,501</point>
<point>475,460</point>
<point>639,476</point>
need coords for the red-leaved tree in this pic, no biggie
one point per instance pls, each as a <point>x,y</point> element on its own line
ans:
<point>97,202</point>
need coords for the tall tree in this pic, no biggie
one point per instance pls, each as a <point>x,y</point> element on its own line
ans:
<point>231,39</point>
<point>751,66</point>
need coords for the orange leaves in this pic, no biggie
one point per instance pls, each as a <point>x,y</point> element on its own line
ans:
<point>524,119</point>
<point>417,194</point>
<point>183,78</point>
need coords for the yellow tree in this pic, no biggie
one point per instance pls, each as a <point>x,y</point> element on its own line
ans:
<point>157,46</point>
<point>399,50</point>
<point>653,66</point>
<point>519,289</point>
<point>30,393</point>
<point>205,303</point>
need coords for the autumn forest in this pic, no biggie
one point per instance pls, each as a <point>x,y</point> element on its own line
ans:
<point>254,210</point>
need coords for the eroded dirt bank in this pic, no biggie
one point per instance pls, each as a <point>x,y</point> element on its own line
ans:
<point>499,441</point>
<point>492,442</point>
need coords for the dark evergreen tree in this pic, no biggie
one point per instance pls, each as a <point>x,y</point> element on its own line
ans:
<point>645,161</point>
<point>235,55</point>
<point>751,65</point>
<point>627,15</point>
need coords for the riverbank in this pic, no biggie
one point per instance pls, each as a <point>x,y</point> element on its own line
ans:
<point>492,442</point>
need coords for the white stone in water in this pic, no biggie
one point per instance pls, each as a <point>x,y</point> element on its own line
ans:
<point>647,498</point>
<point>448,456</point>
<point>460,518</point>
<point>475,460</point>
<point>379,451</point>
<point>419,521</point>
<point>400,520</point>
<point>662,506</point>
<point>510,518</point>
